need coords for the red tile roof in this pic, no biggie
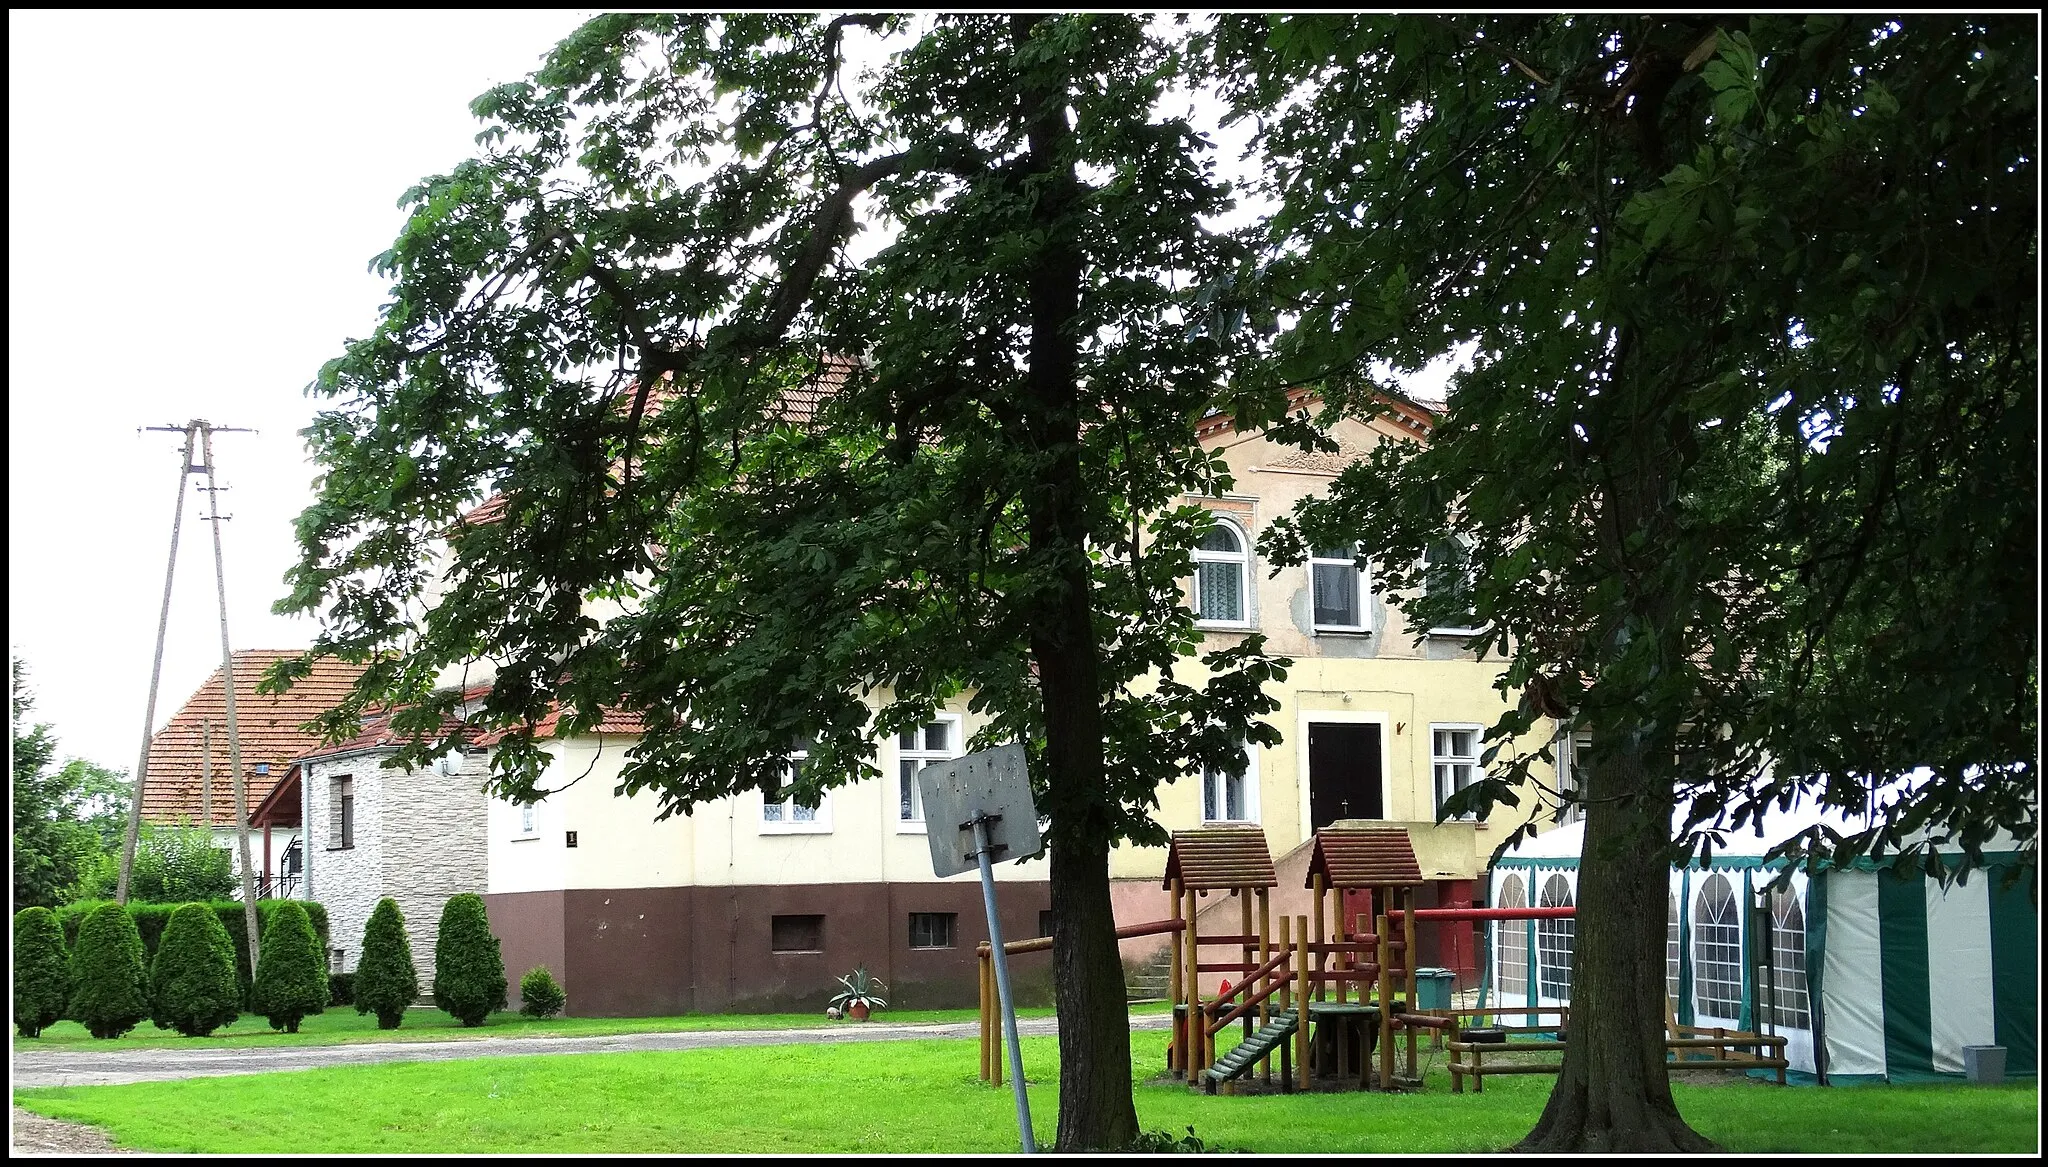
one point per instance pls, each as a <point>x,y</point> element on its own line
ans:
<point>613,721</point>
<point>1410,415</point>
<point>267,723</point>
<point>377,732</point>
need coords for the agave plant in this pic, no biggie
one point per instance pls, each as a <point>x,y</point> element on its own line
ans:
<point>858,988</point>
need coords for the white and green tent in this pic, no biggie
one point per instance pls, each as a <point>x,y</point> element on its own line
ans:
<point>1885,976</point>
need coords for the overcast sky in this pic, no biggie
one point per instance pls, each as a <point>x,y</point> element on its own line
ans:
<point>193,200</point>
<point>193,205</point>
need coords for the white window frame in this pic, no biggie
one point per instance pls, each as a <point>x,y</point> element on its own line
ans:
<point>1452,629</point>
<point>1251,790</point>
<point>955,726</point>
<point>1791,1004</point>
<point>1242,559</point>
<point>819,824</point>
<point>1511,942</point>
<point>1364,582</point>
<point>525,821</point>
<point>1437,795</point>
<point>1567,749</point>
<point>1555,938</point>
<point>1718,958</point>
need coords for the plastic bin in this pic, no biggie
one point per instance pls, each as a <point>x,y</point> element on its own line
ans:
<point>1984,1063</point>
<point>1433,988</point>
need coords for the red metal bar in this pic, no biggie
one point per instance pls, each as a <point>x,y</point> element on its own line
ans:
<point>1422,914</point>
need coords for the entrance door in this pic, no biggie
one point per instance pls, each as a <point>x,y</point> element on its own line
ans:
<point>1344,779</point>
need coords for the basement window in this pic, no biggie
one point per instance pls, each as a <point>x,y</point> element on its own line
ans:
<point>796,934</point>
<point>931,929</point>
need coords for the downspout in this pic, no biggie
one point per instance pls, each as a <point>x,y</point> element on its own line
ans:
<point>306,830</point>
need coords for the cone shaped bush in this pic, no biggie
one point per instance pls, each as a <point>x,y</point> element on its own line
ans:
<point>291,982</point>
<point>469,970</point>
<point>385,981</point>
<point>192,983</point>
<point>109,981</point>
<point>42,976</point>
<point>539,995</point>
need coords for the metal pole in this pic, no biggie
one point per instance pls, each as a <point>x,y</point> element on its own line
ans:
<point>1002,963</point>
<point>227,671</point>
<point>156,671</point>
<point>206,779</point>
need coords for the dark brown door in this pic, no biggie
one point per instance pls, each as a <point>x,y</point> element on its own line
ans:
<point>1343,773</point>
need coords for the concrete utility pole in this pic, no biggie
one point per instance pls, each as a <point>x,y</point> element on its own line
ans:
<point>156,670</point>
<point>227,670</point>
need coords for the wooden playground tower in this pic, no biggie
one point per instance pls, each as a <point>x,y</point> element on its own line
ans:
<point>1311,967</point>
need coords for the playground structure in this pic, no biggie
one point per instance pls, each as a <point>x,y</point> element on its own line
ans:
<point>1315,961</point>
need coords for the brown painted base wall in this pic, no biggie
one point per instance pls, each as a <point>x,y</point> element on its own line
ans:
<point>649,952</point>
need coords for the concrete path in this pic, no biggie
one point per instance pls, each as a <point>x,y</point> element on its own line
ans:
<point>90,1067</point>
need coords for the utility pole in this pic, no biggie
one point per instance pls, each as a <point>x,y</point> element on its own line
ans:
<point>206,775</point>
<point>156,669</point>
<point>227,670</point>
<point>198,433</point>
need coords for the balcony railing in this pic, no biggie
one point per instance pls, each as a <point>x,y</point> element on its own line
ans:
<point>277,887</point>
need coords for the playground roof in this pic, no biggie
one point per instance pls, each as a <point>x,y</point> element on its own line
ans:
<point>1363,857</point>
<point>1217,858</point>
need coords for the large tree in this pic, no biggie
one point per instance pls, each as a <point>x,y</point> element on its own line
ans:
<point>62,817</point>
<point>1744,464</point>
<point>816,469</point>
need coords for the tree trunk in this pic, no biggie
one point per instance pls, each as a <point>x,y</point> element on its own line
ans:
<point>1614,1092</point>
<point>1095,1110</point>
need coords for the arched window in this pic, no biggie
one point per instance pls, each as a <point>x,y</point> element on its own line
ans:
<point>1554,942</point>
<point>1788,961</point>
<point>1671,947</point>
<point>1717,950</point>
<point>1222,576</point>
<point>1513,942</point>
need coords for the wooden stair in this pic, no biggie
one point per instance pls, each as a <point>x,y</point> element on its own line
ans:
<point>1251,1050</point>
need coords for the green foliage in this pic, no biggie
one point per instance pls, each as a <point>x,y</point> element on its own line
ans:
<point>469,969</point>
<point>385,981</point>
<point>109,981</point>
<point>858,987</point>
<point>341,989</point>
<point>42,976</point>
<point>62,819</point>
<point>174,864</point>
<point>192,983</point>
<point>150,920</point>
<point>1745,453</point>
<point>539,996</point>
<point>291,969</point>
<point>1165,1143</point>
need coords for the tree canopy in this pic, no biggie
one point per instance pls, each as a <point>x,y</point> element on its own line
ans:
<point>64,818</point>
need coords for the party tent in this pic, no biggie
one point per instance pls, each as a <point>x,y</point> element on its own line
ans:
<point>1884,976</point>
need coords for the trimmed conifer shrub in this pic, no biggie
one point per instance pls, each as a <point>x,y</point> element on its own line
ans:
<point>109,981</point>
<point>469,969</point>
<point>539,996</point>
<point>385,979</point>
<point>291,978</point>
<point>341,989</point>
<point>42,978</point>
<point>192,984</point>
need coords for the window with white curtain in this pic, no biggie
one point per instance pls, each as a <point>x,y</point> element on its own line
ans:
<point>1337,587</point>
<point>1223,576</point>
<point>1717,950</point>
<point>1513,942</point>
<point>1789,1006</point>
<point>788,815</point>
<point>935,741</point>
<point>1554,942</point>
<point>1231,798</point>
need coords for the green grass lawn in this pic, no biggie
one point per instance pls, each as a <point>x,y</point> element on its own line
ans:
<point>922,1096</point>
<point>344,1026</point>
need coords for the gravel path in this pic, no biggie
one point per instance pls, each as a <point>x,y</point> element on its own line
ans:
<point>36,1135</point>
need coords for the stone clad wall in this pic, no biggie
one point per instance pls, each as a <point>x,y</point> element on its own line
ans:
<point>348,882</point>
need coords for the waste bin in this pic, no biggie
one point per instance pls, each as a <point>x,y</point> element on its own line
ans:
<point>1984,1063</point>
<point>1433,988</point>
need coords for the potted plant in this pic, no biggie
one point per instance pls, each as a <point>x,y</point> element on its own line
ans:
<point>859,992</point>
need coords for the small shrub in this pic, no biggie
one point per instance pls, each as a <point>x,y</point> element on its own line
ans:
<point>42,980</point>
<point>110,982</point>
<point>192,985</point>
<point>469,969</point>
<point>539,996</point>
<point>1164,1143</point>
<point>341,989</point>
<point>291,980</point>
<point>385,981</point>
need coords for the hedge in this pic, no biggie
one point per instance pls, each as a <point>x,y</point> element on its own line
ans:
<point>42,973</point>
<point>469,968</point>
<point>291,976</point>
<point>151,918</point>
<point>192,985</point>
<point>110,982</point>
<point>341,989</point>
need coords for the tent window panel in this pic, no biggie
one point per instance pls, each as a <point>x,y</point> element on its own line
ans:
<point>1671,948</point>
<point>1788,962</point>
<point>1554,942</point>
<point>1717,950</point>
<point>1513,941</point>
